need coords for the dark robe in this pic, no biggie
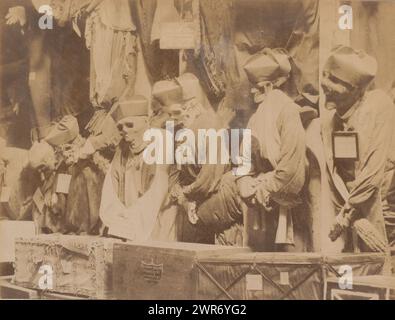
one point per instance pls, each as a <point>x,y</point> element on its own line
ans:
<point>211,188</point>
<point>22,183</point>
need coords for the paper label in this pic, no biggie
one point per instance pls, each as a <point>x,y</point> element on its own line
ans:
<point>284,278</point>
<point>38,200</point>
<point>345,145</point>
<point>281,234</point>
<point>254,282</point>
<point>32,76</point>
<point>5,194</point>
<point>67,266</point>
<point>178,35</point>
<point>63,183</point>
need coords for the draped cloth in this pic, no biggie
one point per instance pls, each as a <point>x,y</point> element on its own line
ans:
<point>110,35</point>
<point>76,212</point>
<point>208,186</point>
<point>14,61</point>
<point>83,201</point>
<point>148,16</point>
<point>203,180</point>
<point>137,220</point>
<point>21,190</point>
<point>284,147</point>
<point>215,59</point>
<point>303,46</point>
<point>293,25</point>
<point>373,120</point>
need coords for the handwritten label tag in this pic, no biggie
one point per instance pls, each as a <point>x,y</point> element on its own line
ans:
<point>5,194</point>
<point>345,145</point>
<point>38,200</point>
<point>254,282</point>
<point>284,278</point>
<point>32,76</point>
<point>63,183</point>
<point>67,266</point>
<point>178,35</point>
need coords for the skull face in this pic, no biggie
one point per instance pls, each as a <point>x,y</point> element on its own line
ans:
<point>192,109</point>
<point>260,91</point>
<point>339,94</point>
<point>132,130</point>
<point>177,113</point>
<point>42,158</point>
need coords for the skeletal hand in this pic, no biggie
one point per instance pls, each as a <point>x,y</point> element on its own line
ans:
<point>192,216</point>
<point>263,198</point>
<point>86,150</point>
<point>343,221</point>
<point>345,215</point>
<point>177,194</point>
<point>16,15</point>
<point>247,186</point>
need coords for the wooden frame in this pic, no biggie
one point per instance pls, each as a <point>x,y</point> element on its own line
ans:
<point>350,134</point>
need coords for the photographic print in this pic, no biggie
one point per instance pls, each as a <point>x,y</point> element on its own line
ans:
<point>168,150</point>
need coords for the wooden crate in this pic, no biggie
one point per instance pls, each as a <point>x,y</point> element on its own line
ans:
<point>10,291</point>
<point>277,276</point>
<point>392,251</point>
<point>161,271</point>
<point>363,288</point>
<point>44,295</point>
<point>81,265</point>
<point>6,269</point>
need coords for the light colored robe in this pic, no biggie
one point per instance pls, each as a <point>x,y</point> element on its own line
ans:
<point>132,197</point>
<point>279,151</point>
<point>373,120</point>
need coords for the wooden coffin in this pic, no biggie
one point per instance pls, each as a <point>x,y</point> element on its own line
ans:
<point>161,271</point>
<point>75,265</point>
<point>275,276</point>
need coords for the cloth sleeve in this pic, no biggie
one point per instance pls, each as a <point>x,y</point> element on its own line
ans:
<point>372,173</point>
<point>289,175</point>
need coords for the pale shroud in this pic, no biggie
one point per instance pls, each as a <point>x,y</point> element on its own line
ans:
<point>138,221</point>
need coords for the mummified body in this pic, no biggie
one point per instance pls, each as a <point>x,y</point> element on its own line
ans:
<point>133,192</point>
<point>357,179</point>
<point>273,190</point>
<point>205,194</point>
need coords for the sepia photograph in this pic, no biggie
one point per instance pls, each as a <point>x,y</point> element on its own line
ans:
<point>197,150</point>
